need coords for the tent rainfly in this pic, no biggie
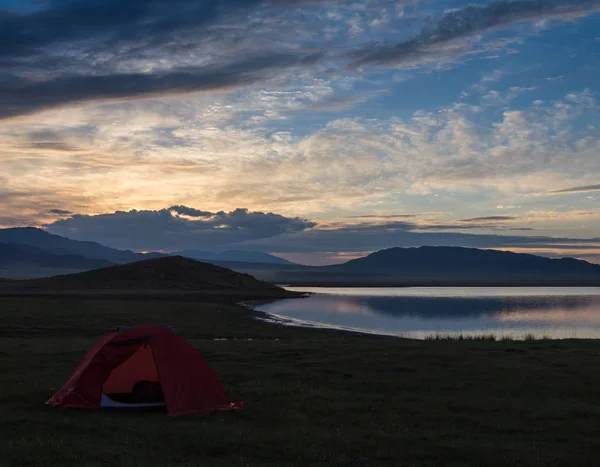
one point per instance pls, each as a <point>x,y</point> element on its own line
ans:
<point>144,366</point>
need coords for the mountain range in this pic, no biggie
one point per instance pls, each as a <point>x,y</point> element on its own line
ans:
<point>234,255</point>
<point>458,260</point>
<point>452,266</point>
<point>31,252</point>
<point>15,255</point>
<point>56,244</point>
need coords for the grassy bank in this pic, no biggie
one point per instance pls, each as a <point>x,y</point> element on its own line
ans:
<point>313,397</point>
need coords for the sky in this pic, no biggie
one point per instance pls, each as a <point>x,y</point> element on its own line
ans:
<point>317,130</point>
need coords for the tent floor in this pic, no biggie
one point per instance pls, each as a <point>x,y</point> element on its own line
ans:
<point>126,400</point>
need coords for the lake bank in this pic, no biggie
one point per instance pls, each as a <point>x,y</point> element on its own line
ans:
<point>312,397</point>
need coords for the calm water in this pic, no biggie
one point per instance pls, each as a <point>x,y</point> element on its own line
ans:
<point>418,312</point>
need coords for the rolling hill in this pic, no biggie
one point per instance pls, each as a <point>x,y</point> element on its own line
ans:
<point>466,266</point>
<point>457,260</point>
<point>169,273</point>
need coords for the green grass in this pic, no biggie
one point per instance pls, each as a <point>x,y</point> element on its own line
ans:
<point>484,337</point>
<point>461,337</point>
<point>312,397</point>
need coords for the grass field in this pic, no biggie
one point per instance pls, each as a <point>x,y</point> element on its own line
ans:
<point>312,397</point>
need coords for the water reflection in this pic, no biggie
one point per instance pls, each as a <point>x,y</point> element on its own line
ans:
<point>420,312</point>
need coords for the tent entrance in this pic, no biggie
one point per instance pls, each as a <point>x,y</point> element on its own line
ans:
<point>134,383</point>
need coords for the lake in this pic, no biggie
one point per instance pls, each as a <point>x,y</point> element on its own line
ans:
<point>420,312</point>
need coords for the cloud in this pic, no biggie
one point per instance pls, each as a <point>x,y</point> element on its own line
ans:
<point>578,189</point>
<point>385,216</point>
<point>56,21</point>
<point>61,212</point>
<point>171,152</point>
<point>191,212</point>
<point>370,237</point>
<point>166,230</point>
<point>489,219</point>
<point>341,101</point>
<point>61,53</point>
<point>463,22</point>
<point>32,96</point>
<point>64,53</point>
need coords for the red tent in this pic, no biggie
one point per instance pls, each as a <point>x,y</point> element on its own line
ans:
<point>147,355</point>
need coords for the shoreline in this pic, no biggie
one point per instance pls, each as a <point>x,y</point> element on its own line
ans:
<point>408,284</point>
<point>285,322</point>
<point>211,296</point>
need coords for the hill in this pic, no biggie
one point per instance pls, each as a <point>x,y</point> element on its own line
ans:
<point>458,260</point>
<point>465,266</point>
<point>169,273</point>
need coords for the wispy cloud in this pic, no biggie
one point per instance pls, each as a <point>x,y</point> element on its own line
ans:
<point>370,237</point>
<point>463,22</point>
<point>60,212</point>
<point>385,216</point>
<point>168,153</point>
<point>577,189</point>
<point>158,48</point>
<point>489,219</point>
<point>30,32</point>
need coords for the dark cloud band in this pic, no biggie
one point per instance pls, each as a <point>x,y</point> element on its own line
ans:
<point>467,21</point>
<point>166,229</point>
<point>68,52</point>
<point>578,189</point>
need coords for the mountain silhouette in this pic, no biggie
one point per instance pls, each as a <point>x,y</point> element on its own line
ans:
<point>14,255</point>
<point>235,256</point>
<point>56,244</point>
<point>169,273</point>
<point>458,260</point>
<point>18,261</point>
<point>394,266</point>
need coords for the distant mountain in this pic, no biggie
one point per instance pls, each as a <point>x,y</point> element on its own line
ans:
<point>236,256</point>
<point>448,265</point>
<point>170,273</point>
<point>429,259</point>
<point>52,255</point>
<point>56,244</point>
<point>25,255</point>
<point>64,246</point>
